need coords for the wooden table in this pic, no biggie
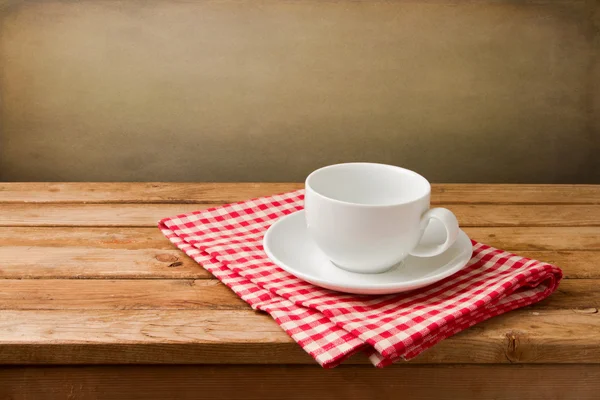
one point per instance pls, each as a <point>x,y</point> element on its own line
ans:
<point>94,301</point>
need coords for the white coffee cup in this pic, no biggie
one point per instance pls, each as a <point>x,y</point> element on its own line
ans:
<point>368,217</point>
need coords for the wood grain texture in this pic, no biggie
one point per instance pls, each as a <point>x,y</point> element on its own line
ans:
<point>121,294</point>
<point>117,252</point>
<point>34,262</point>
<point>160,192</point>
<point>25,262</point>
<point>143,238</point>
<point>532,382</point>
<point>94,283</point>
<point>138,192</point>
<point>248,337</point>
<point>91,214</point>
<point>182,294</point>
<point>514,194</point>
<point>575,264</point>
<point>536,238</point>
<point>139,215</point>
<point>31,262</point>
<point>124,238</point>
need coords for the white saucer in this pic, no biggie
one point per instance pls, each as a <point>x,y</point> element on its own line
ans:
<point>289,246</point>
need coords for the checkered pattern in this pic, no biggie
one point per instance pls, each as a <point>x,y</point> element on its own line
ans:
<point>331,326</point>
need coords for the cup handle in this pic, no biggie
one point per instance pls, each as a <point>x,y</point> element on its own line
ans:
<point>448,219</point>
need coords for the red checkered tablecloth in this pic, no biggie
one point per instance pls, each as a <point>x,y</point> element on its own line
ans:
<point>331,326</point>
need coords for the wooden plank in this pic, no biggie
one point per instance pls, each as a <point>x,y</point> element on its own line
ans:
<point>527,215</point>
<point>157,192</point>
<point>126,294</point>
<point>121,252</point>
<point>122,294</point>
<point>34,262</point>
<point>143,238</point>
<point>532,382</point>
<point>247,337</point>
<point>573,294</point>
<point>139,215</point>
<point>125,238</point>
<point>536,238</point>
<point>514,194</point>
<point>138,192</point>
<point>23,262</point>
<point>90,214</point>
<point>575,264</point>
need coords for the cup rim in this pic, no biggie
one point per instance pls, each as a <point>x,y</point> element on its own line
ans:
<point>308,186</point>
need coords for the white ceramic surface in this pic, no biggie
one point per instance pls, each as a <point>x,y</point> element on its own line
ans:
<point>368,217</point>
<point>288,244</point>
